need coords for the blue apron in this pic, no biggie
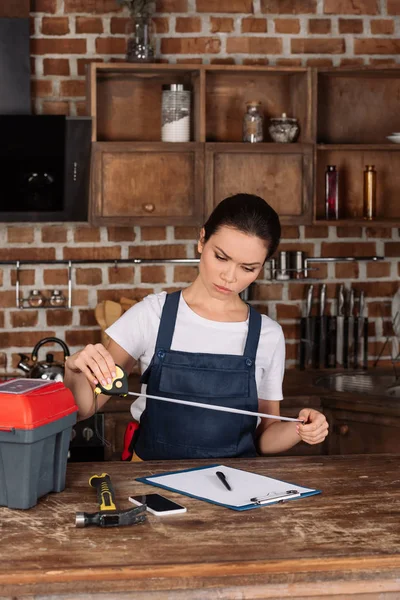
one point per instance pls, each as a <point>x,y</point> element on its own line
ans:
<point>175,431</point>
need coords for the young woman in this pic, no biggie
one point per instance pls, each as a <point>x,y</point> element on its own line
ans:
<point>204,344</point>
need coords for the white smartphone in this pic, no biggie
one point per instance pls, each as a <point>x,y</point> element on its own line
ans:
<point>157,504</point>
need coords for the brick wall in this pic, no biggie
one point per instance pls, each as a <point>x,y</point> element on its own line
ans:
<point>67,34</point>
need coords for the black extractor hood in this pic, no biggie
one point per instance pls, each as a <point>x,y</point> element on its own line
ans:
<point>44,159</point>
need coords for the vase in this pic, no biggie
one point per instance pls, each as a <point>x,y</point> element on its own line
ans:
<point>139,46</point>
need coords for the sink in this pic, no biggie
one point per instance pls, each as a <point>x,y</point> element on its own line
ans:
<point>361,383</point>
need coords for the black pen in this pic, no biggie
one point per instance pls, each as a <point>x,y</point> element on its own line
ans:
<point>222,478</point>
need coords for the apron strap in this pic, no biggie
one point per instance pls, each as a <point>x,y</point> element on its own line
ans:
<point>253,334</point>
<point>168,319</point>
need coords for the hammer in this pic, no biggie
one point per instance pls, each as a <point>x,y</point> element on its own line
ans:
<point>108,515</point>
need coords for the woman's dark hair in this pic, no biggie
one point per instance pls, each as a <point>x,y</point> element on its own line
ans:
<point>249,214</point>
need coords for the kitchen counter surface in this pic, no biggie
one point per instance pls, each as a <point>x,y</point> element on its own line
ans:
<point>345,541</point>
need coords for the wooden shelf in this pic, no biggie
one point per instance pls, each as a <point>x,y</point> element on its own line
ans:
<point>359,147</point>
<point>358,222</point>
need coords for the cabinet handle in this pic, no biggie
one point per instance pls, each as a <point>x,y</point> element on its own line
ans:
<point>343,429</point>
<point>149,207</point>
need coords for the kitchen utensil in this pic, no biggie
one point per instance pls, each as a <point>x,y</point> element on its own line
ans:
<point>283,129</point>
<point>340,325</point>
<point>126,303</point>
<point>322,328</point>
<point>46,369</point>
<point>394,138</point>
<point>101,320</point>
<point>348,346</point>
<point>112,311</point>
<point>306,332</point>
<point>396,324</point>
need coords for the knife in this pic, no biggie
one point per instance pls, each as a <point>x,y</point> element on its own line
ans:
<point>306,338</point>
<point>363,335</point>
<point>348,346</point>
<point>322,327</point>
<point>340,325</point>
<point>358,331</point>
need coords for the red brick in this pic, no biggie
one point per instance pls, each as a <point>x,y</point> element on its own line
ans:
<point>73,88</point>
<point>187,24</point>
<point>393,7</point>
<point>295,7</point>
<point>79,297</point>
<point>55,277</point>
<point>315,232</point>
<point>44,6</point>
<point>83,62</point>
<point>117,294</point>
<point>91,276</point>
<point>89,25</point>
<point>379,232</point>
<point>153,274</point>
<point>351,26</point>
<point>382,26</point>
<point>383,61</point>
<point>290,232</point>
<point>120,234</point>
<point>253,45</point>
<point>253,25</point>
<point>377,46</point>
<point>160,24</point>
<point>54,234</point>
<point>221,25</point>
<point>23,339</point>
<point>347,270</point>
<point>351,7</point>
<point>40,46</point>
<point>378,269</point>
<point>98,252</point>
<point>59,317</point>
<point>56,66</point>
<point>185,273</point>
<point>224,6</point>
<point>392,249</point>
<point>120,274</point>
<point>171,6</point>
<point>223,61</point>
<point>55,108</point>
<point>289,62</point>
<point>55,25</point>
<point>87,318</point>
<point>351,62</point>
<point>22,253</point>
<point>86,234</point>
<point>20,235</point>
<point>379,309</point>
<point>100,7</point>
<point>308,248</point>
<point>82,337</point>
<point>189,61</point>
<point>41,88</point>
<point>377,289</point>
<point>26,276</point>
<point>255,61</point>
<point>318,45</point>
<point>3,355</point>
<point>153,233</point>
<point>349,232</point>
<point>16,8</point>
<point>271,291</point>
<point>186,233</point>
<point>348,249</point>
<point>287,26</point>
<point>319,62</point>
<point>159,251</point>
<point>111,45</point>
<point>319,26</point>
<point>196,45</point>
<point>81,109</point>
<point>24,318</point>
<point>291,331</point>
<point>288,311</point>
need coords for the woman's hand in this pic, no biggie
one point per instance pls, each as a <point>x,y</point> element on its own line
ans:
<point>95,362</point>
<point>315,427</point>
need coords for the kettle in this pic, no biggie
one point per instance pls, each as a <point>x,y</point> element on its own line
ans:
<point>46,369</point>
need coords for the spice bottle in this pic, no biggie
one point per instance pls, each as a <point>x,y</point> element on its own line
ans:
<point>253,123</point>
<point>175,114</point>
<point>331,193</point>
<point>369,192</point>
<point>36,299</point>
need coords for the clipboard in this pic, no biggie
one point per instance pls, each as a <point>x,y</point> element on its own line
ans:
<point>248,490</point>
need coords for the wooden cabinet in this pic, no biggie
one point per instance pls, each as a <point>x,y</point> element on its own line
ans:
<point>354,432</point>
<point>356,109</point>
<point>137,179</point>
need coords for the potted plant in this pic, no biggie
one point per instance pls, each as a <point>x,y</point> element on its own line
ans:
<point>139,46</point>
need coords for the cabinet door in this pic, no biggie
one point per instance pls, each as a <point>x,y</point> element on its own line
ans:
<point>114,430</point>
<point>362,433</point>
<point>147,184</point>
<point>280,173</point>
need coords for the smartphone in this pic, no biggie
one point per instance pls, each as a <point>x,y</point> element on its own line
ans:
<point>157,504</point>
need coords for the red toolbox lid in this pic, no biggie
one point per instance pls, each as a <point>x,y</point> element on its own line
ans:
<point>29,403</point>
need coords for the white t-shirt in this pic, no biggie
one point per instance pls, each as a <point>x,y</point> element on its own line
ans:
<point>136,332</point>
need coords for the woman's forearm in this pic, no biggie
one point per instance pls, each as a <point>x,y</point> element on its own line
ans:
<point>278,437</point>
<point>82,392</point>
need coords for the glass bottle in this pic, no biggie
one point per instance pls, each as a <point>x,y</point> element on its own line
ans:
<point>253,123</point>
<point>57,298</point>
<point>139,47</point>
<point>331,193</point>
<point>36,299</point>
<point>175,114</point>
<point>369,192</point>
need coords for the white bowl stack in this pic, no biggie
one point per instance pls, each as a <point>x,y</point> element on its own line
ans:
<point>394,137</point>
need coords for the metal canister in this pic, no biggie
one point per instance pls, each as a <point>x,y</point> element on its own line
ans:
<point>282,273</point>
<point>297,264</point>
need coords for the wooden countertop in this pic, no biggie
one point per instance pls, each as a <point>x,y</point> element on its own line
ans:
<point>344,541</point>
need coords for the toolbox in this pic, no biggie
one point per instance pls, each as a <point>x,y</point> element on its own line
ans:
<point>36,420</point>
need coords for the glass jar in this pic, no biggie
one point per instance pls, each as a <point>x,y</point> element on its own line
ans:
<point>331,193</point>
<point>139,48</point>
<point>57,298</point>
<point>36,299</point>
<point>253,123</point>
<point>175,114</point>
<point>369,193</point>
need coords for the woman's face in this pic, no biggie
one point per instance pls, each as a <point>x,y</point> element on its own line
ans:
<point>230,261</point>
